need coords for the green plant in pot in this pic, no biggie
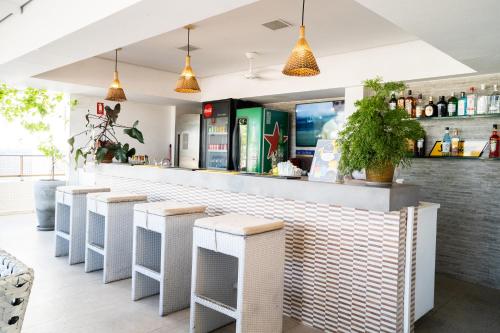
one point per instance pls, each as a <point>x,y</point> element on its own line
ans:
<point>375,138</point>
<point>102,143</point>
<point>35,110</point>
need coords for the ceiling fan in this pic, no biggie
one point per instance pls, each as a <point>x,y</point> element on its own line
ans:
<point>251,74</point>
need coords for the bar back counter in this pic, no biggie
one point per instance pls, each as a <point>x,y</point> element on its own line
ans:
<point>350,250</point>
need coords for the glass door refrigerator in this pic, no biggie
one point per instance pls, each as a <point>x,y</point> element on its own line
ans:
<point>259,136</point>
<point>218,119</point>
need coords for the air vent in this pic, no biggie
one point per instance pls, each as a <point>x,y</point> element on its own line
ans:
<point>191,48</point>
<point>277,24</point>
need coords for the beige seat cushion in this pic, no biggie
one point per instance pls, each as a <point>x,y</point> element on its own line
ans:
<point>75,189</point>
<point>117,197</point>
<point>169,208</point>
<point>238,224</point>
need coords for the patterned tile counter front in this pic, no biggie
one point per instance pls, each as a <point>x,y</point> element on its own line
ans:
<point>344,266</point>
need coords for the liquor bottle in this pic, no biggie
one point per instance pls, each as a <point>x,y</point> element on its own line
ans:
<point>421,147</point>
<point>393,102</point>
<point>431,108</point>
<point>495,100</point>
<point>471,102</point>
<point>452,105</point>
<point>455,143</point>
<point>483,100</point>
<point>494,143</point>
<point>410,105</point>
<point>442,107</point>
<point>401,101</point>
<point>419,108</point>
<point>462,104</point>
<point>446,143</point>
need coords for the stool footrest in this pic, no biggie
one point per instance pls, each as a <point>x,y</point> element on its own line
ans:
<point>147,271</point>
<point>62,234</point>
<point>96,248</point>
<point>216,306</point>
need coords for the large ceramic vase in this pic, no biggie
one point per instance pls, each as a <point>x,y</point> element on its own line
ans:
<point>45,202</point>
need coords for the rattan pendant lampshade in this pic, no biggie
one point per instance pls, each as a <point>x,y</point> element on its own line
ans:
<point>115,90</point>
<point>301,62</point>
<point>187,82</point>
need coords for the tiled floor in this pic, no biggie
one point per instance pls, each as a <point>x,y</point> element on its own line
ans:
<point>65,299</point>
<point>462,307</point>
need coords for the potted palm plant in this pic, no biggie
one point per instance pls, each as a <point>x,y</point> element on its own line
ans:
<point>102,143</point>
<point>375,137</point>
<point>35,109</point>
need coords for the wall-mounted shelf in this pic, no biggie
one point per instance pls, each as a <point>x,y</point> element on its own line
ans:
<point>484,159</point>
<point>491,115</point>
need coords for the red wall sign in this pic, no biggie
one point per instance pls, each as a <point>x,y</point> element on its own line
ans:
<point>207,110</point>
<point>100,108</point>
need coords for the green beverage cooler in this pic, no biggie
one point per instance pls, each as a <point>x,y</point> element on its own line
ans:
<point>258,135</point>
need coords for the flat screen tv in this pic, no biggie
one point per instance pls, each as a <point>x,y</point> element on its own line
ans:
<point>316,121</point>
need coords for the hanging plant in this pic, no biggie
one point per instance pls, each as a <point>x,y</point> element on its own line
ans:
<point>102,143</point>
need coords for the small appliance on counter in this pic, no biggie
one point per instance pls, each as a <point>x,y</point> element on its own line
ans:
<point>260,135</point>
<point>218,119</point>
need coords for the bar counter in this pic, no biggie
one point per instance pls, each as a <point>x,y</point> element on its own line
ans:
<point>350,250</point>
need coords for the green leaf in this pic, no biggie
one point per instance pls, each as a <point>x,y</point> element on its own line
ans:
<point>135,123</point>
<point>131,152</point>
<point>100,153</point>
<point>134,133</point>
<point>71,142</point>
<point>121,155</point>
<point>78,153</point>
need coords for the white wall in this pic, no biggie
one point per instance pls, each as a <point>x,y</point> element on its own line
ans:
<point>156,122</point>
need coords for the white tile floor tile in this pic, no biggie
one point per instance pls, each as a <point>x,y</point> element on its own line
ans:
<point>67,300</point>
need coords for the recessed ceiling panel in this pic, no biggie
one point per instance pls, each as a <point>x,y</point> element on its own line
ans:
<point>332,27</point>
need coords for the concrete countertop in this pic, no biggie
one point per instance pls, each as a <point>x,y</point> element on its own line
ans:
<point>357,196</point>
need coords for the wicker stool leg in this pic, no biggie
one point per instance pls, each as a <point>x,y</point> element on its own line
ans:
<point>142,285</point>
<point>77,229</point>
<point>61,244</point>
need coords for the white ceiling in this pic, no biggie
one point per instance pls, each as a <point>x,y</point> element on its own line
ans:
<point>10,7</point>
<point>466,30</point>
<point>332,27</point>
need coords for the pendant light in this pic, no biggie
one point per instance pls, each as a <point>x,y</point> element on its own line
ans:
<point>187,81</point>
<point>115,91</point>
<point>301,62</point>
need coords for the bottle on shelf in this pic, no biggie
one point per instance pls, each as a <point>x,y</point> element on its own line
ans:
<point>401,101</point>
<point>431,108</point>
<point>495,100</point>
<point>420,147</point>
<point>446,143</point>
<point>462,104</point>
<point>419,108</point>
<point>410,104</point>
<point>494,143</point>
<point>452,105</point>
<point>442,107</point>
<point>471,102</point>
<point>483,101</point>
<point>455,143</point>
<point>393,102</point>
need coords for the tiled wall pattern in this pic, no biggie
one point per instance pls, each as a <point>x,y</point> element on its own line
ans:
<point>468,236</point>
<point>344,268</point>
<point>468,229</point>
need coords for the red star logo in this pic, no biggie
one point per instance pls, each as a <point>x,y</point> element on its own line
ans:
<point>274,139</point>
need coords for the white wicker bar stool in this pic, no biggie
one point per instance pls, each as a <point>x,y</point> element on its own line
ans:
<point>162,251</point>
<point>238,268</point>
<point>109,233</point>
<point>16,280</point>
<point>71,212</point>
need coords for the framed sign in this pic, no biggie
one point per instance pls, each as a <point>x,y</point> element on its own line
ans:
<point>467,148</point>
<point>100,109</point>
<point>325,162</point>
